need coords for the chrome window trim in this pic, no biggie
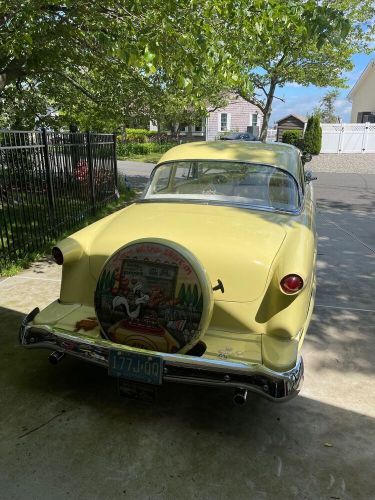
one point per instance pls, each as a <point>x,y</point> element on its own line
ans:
<point>223,204</point>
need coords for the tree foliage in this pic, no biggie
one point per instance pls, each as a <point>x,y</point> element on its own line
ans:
<point>108,60</point>
<point>304,42</point>
<point>326,107</point>
<point>104,63</point>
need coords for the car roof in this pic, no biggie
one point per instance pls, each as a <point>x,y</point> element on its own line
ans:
<point>280,155</point>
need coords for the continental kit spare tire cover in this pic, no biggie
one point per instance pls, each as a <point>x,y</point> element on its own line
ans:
<point>154,294</point>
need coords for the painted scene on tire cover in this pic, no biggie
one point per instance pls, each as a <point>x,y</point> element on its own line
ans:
<point>149,296</point>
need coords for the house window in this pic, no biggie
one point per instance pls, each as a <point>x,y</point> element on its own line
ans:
<point>198,128</point>
<point>224,122</point>
<point>254,119</point>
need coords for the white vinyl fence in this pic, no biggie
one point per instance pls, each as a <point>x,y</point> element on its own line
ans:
<point>348,138</point>
<point>271,134</point>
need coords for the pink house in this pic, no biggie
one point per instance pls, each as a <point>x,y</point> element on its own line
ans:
<point>236,116</point>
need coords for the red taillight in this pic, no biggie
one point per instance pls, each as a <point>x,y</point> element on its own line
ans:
<point>57,256</point>
<point>292,283</point>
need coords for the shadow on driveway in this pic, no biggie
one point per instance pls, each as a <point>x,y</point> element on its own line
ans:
<point>69,433</point>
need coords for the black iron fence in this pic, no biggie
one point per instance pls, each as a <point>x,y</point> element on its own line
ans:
<point>49,182</point>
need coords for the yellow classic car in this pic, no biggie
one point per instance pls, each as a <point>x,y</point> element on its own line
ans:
<point>208,278</point>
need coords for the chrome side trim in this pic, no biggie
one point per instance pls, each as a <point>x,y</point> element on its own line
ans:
<point>276,386</point>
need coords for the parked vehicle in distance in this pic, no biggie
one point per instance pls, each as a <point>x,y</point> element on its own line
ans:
<point>239,136</point>
<point>208,279</point>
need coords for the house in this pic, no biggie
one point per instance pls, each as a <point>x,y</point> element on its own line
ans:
<point>290,122</point>
<point>362,96</point>
<point>237,116</point>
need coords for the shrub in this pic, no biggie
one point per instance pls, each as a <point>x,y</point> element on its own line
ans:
<point>139,138</point>
<point>134,148</point>
<point>139,135</point>
<point>313,136</point>
<point>292,137</point>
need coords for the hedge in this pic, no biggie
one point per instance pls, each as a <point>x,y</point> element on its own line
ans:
<point>135,148</point>
<point>140,135</point>
<point>292,137</point>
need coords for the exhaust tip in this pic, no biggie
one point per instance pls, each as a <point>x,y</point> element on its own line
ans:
<point>240,397</point>
<point>56,357</point>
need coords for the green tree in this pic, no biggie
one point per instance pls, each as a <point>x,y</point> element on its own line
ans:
<point>107,62</point>
<point>312,142</point>
<point>182,294</point>
<point>307,42</point>
<point>188,296</point>
<point>195,294</point>
<point>106,58</point>
<point>326,107</point>
<point>199,306</point>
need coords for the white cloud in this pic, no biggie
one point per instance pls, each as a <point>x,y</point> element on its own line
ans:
<point>294,84</point>
<point>343,109</point>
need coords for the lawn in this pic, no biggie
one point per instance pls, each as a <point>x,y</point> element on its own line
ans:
<point>147,158</point>
<point>27,232</point>
<point>148,152</point>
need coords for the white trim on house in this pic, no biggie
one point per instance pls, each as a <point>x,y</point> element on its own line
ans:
<point>364,74</point>
<point>219,129</point>
<point>251,120</point>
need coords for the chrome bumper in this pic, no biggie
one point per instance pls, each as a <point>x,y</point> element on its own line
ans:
<point>276,386</point>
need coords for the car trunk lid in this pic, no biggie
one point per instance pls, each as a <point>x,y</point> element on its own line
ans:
<point>234,245</point>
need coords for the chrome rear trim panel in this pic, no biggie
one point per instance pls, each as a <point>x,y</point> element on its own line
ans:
<point>276,386</point>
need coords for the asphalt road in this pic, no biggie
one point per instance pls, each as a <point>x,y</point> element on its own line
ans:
<point>136,172</point>
<point>64,432</point>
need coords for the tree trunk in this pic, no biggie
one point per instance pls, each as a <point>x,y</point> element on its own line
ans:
<point>189,134</point>
<point>123,134</point>
<point>267,111</point>
<point>11,73</point>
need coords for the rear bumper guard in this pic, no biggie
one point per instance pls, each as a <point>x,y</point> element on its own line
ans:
<point>276,386</point>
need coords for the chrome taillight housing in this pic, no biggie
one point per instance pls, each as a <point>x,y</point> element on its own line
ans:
<point>291,284</point>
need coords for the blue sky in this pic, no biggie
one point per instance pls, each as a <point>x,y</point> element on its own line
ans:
<point>301,100</point>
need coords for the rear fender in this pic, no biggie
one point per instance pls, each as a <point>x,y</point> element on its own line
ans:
<point>283,315</point>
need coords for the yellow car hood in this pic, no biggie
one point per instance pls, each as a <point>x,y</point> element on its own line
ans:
<point>234,245</point>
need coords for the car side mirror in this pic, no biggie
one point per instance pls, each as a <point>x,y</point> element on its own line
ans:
<point>306,157</point>
<point>309,176</point>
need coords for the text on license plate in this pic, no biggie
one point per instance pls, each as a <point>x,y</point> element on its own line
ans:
<point>134,366</point>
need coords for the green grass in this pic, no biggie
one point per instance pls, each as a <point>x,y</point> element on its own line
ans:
<point>149,158</point>
<point>147,152</point>
<point>15,266</point>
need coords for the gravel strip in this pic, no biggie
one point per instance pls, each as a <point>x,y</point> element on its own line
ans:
<point>343,163</point>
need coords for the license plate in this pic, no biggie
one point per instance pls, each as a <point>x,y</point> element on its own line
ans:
<point>133,366</point>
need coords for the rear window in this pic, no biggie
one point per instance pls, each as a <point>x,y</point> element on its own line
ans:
<point>234,183</point>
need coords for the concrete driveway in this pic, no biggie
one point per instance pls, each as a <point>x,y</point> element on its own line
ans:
<point>65,433</point>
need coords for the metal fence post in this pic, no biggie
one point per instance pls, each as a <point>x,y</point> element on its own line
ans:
<point>91,174</point>
<point>115,173</point>
<point>47,164</point>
